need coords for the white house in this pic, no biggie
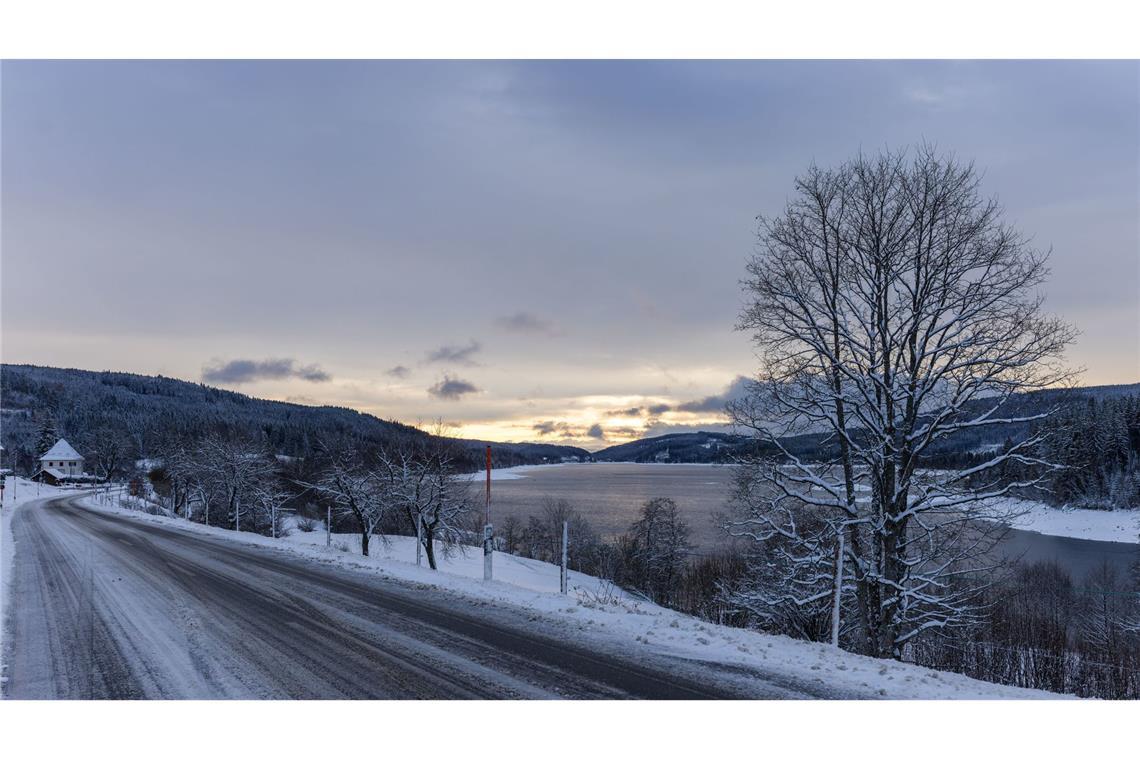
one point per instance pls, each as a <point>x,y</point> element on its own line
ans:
<point>61,462</point>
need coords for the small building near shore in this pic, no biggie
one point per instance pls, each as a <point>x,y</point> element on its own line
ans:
<point>62,464</point>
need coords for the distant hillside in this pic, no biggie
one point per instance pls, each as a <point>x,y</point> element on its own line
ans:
<point>148,412</point>
<point>676,447</point>
<point>722,447</point>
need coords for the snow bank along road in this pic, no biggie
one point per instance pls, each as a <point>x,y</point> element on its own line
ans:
<point>109,607</point>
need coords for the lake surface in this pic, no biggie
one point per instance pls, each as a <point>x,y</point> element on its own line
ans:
<point>610,495</point>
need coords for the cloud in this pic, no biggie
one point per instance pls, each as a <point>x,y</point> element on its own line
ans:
<point>736,390</point>
<point>550,427</point>
<point>452,388</point>
<point>658,409</point>
<point>526,322</point>
<point>250,370</point>
<point>451,354</point>
<point>399,371</point>
<point>566,431</point>
<point>633,411</point>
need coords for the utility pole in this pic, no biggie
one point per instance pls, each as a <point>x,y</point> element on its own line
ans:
<point>565,540</point>
<point>488,532</point>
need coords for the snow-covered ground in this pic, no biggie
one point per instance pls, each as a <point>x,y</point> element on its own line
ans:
<point>1122,526</point>
<point>17,492</point>
<point>601,616</point>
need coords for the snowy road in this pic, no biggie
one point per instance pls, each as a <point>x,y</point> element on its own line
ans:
<point>109,607</point>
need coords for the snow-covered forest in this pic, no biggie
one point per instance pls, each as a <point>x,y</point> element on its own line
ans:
<point>1097,442</point>
<point>116,419</point>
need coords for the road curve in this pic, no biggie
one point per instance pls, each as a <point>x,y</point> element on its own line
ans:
<point>106,607</point>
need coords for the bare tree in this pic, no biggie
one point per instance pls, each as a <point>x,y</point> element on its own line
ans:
<point>658,545</point>
<point>269,498</point>
<point>445,499</point>
<point>542,536</point>
<point>181,472</point>
<point>424,484</point>
<point>192,480</point>
<point>407,482</point>
<point>234,469</point>
<point>105,450</point>
<point>355,489</point>
<point>891,308</point>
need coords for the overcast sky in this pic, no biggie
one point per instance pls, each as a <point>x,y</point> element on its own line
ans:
<point>533,251</point>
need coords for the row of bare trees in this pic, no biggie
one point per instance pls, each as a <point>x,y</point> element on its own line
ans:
<point>226,482</point>
<point>412,486</point>
<point>416,485</point>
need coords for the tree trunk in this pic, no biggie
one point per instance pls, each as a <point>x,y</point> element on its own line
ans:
<point>429,545</point>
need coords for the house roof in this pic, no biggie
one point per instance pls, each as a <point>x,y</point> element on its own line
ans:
<point>61,450</point>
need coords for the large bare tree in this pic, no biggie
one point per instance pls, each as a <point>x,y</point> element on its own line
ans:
<point>891,308</point>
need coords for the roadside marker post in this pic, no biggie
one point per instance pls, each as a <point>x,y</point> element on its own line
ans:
<point>488,531</point>
<point>419,539</point>
<point>837,594</point>
<point>565,541</point>
<point>488,539</point>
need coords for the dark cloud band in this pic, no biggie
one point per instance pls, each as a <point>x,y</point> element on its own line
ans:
<point>238,371</point>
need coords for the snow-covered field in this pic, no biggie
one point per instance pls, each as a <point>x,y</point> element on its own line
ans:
<point>1122,526</point>
<point>600,616</point>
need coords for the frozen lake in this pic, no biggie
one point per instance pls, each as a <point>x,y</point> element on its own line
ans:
<point>609,495</point>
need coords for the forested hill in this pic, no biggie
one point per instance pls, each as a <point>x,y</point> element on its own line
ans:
<point>676,447</point>
<point>148,412</point>
<point>956,450</point>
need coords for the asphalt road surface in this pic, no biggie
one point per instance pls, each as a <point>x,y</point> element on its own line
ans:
<point>106,607</point>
